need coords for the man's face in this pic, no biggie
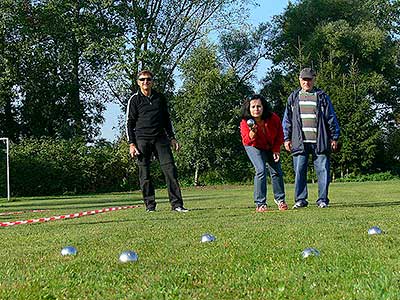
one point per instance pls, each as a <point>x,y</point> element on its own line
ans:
<point>145,82</point>
<point>307,84</point>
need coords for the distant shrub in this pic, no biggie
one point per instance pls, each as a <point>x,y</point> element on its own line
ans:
<point>52,167</point>
<point>368,177</point>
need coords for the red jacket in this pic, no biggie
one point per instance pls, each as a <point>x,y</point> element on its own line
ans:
<point>271,138</point>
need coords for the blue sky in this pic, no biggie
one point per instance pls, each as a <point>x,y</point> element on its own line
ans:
<point>258,14</point>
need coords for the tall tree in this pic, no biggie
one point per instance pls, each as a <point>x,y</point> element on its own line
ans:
<point>158,35</point>
<point>206,110</point>
<point>9,61</point>
<point>355,49</point>
<point>62,52</point>
<point>242,49</point>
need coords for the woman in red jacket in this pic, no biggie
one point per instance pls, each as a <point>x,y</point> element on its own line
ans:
<point>262,137</point>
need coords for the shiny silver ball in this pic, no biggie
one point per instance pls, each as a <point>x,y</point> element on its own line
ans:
<point>69,250</point>
<point>374,230</point>
<point>250,123</point>
<point>128,256</point>
<point>205,238</point>
<point>310,252</point>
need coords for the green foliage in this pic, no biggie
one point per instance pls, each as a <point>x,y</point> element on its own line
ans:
<point>391,149</point>
<point>9,61</point>
<point>207,117</point>
<point>242,49</point>
<point>352,46</point>
<point>55,55</point>
<point>62,60</point>
<point>369,177</point>
<point>160,33</point>
<point>53,167</point>
<point>255,255</point>
<point>360,135</point>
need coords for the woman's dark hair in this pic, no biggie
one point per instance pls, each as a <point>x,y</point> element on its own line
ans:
<point>267,109</point>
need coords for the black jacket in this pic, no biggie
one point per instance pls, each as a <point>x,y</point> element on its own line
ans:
<point>148,117</point>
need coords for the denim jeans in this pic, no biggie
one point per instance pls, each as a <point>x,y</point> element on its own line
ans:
<point>322,169</point>
<point>160,147</point>
<point>259,159</point>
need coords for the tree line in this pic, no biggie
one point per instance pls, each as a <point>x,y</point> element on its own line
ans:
<point>62,61</point>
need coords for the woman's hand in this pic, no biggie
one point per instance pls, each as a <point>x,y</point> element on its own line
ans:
<point>253,132</point>
<point>276,156</point>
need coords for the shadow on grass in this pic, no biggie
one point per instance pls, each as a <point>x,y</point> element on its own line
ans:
<point>116,220</point>
<point>367,204</point>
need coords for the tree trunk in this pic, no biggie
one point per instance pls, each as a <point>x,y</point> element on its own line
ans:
<point>76,103</point>
<point>196,175</point>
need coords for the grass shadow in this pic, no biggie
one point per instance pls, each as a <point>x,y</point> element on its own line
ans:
<point>367,204</point>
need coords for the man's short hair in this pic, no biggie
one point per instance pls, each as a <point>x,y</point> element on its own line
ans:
<point>145,72</point>
<point>307,73</point>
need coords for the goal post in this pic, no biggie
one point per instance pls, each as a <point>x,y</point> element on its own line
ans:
<point>8,165</point>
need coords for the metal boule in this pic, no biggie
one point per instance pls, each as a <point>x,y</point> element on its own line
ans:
<point>205,238</point>
<point>250,123</point>
<point>128,256</point>
<point>374,230</point>
<point>68,250</point>
<point>310,252</point>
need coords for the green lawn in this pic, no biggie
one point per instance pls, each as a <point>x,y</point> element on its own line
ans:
<point>255,256</point>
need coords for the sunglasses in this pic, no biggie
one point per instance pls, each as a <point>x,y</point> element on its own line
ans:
<point>146,78</point>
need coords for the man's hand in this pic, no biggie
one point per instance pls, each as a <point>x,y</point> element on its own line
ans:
<point>133,151</point>
<point>175,145</point>
<point>288,146</point>
<point>334,146</point>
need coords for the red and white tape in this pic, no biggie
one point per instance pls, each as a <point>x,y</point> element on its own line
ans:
<point>70,216</point>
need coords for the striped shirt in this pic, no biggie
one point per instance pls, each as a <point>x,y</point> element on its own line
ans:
<point>308,114</point>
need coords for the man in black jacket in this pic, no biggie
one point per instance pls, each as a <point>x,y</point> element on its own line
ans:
<point>149,131</point>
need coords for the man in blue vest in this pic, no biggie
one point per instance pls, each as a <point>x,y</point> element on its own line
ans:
<point>310,126</point>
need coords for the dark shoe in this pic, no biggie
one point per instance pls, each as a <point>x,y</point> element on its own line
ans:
<point>323,205</point>
<point>180,209</point>
<point>300,204</point>
<point>151,209</point>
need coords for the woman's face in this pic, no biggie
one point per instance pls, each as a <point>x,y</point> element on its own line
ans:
<point>256,108</point>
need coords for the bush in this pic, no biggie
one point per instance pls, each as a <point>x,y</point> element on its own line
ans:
<point>53,167</point>
<point>368,177</point>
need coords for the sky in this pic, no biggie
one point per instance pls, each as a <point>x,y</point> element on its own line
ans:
<point>258,14</point>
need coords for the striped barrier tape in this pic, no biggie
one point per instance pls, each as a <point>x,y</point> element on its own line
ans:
<point>70,216</point>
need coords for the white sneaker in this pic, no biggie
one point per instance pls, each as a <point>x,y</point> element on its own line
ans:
<point>180,209</point>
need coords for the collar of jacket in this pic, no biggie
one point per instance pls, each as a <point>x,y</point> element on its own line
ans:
<point>316,90</point>
<point>153,93</point>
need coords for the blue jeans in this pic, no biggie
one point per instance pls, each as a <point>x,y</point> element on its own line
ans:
<point>259,159</point>
<point>322,169</point>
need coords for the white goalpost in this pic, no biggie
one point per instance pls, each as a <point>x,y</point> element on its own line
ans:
<point>8,166</point>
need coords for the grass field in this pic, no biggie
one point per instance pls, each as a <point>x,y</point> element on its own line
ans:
<point>255,256</point>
